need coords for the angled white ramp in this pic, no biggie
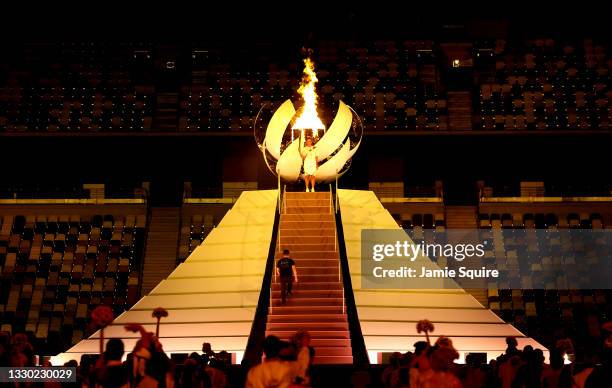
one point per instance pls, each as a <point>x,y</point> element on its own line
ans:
<point>388,317</point>
<point>213,295</point>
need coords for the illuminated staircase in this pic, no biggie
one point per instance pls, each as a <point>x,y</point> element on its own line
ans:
<point>307,228</point>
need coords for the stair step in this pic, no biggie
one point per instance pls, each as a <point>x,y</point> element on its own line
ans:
<point>314,310</point>
<point>303,286</point>
<point>305,195</point>
<point>288,326</point>
<point>329,334</point>
<point>315,262</point>
<point>331,342</point>
<point>313,254</point>
<point>283,318</point>
<point>306,202</point>
<point>327,210</point>
<point>311,302</point>
<point>288,230</point>
<point>309,247</point>
<point>285,239</point>
<point>333,360</point>
<point>311,293</point>
<point>327,351</point>
<point>304,225</point>
<point>309,271</point>
<point>308,220</point>
<point>307,278</point>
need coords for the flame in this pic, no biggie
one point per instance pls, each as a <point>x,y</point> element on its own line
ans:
<point>308,118</point>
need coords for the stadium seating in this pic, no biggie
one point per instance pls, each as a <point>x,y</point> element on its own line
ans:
<point>541,313</point>
<point>76,88</point>
<point>193,231</point>
<point>543,84</point>
<point>197,221</point>
<point>539,84</point>
<point>56,268</point>
<point>394,85</point>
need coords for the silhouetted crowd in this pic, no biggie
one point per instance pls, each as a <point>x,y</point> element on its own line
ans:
<point>434,366</point>
<point>288,364</point>
<point>147,365</point>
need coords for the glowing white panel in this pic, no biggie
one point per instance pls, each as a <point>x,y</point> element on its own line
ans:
<point>328,170</point>
<point>213,295</point>
<point>388,317</point>
<point>290,163</point>
<point>459,329</point>
<point>336,133</point>
<point>277,127</point>
<point>187,316</point>
<point>217,268</point>
<point>414,298</point>
<point>203,284</point>
<point>490,345</point>
<point>414,314</point>
<point>186,344</point>
<point>172,330</point>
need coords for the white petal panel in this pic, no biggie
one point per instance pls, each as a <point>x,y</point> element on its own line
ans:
<point>290,163</point>
<point>277,127</point>
<point>328,170</point>
<point>336,133</point>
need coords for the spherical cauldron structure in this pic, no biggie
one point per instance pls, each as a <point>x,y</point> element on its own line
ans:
<point>281,148</point>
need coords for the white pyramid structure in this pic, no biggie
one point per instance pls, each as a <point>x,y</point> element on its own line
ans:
<point>388,317</point>
<point>212,296</point>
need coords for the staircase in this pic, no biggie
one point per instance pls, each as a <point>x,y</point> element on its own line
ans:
<point>465,217</point>
<point>461,217</point>
<point>307,228</point>
<point>165,118</point>
<point>162,245</point>
<point>459,111</point>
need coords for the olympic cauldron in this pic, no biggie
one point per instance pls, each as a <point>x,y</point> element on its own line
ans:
<point>281,146</point>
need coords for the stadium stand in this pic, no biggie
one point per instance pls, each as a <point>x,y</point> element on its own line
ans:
<point>59,261</point>
<point>76,87</point>
<point>538,84</point>
<point>543,84</point>
<point>197,221</point>
<point>395,84</point>
<point>546,313</point>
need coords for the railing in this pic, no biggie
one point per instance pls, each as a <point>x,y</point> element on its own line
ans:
<point>360,354</point>
<point>279,194</point>
<point>253,351</point>
<point>331,195</point>
<point>282,209</point>
<point>336,194</point>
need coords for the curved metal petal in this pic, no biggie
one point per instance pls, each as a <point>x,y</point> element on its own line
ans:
<point>337,132</point>
<point>328,170</point>
<point>290,163</point>
<point>277,127</point>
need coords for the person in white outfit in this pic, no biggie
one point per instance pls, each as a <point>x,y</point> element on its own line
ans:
<point>311,163</point>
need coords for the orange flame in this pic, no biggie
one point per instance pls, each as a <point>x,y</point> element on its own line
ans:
<point>308,118</point>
